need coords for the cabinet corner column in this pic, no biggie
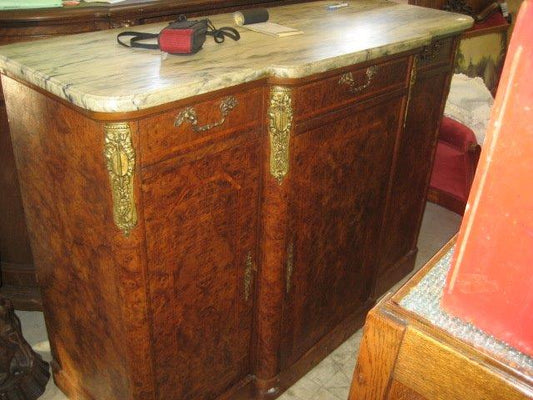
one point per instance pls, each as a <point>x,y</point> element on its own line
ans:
<point>121,144</point>
<point>273,239</point>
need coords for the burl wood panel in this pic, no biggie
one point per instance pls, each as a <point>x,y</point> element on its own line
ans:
<point>19,282</point>
<point>91,276</point>
<point>201,218</point>
<point>411,174</point>
<point>338,191</point>
<point>437,53</point>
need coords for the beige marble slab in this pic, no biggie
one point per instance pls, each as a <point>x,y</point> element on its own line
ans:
<point>93,72</point>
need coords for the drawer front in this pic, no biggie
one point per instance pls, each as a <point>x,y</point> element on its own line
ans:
<point>438,52</point>
<point>196,124</point>
<point>350,86</point>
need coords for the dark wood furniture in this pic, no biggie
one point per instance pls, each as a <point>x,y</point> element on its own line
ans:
<point>225,260</point>
<point>23,372</point>
<point>405,356</point>
<point>18,280</point>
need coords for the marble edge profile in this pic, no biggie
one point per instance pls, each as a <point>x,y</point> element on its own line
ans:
<point>129,103</point>
<point>141,101</point>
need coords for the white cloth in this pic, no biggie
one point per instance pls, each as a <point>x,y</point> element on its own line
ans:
<point>470,102</point>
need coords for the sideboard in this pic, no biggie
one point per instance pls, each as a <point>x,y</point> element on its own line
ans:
<point>212,226</point>
<point>18,280</point>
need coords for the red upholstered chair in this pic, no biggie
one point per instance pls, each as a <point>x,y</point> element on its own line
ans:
<point>454,167</point>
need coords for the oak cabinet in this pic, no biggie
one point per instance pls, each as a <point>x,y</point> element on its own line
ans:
<point>413,349</point>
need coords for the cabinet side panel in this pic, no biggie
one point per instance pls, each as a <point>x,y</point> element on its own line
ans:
<point>16,260</point>
<point>410,180</point>
<point>82,258</point>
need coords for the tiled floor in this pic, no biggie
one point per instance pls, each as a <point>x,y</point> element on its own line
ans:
<point>329,380</point>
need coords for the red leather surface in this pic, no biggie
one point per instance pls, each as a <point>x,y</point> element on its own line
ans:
<point>449,173</point>
<point>455,162</point>
<point>456,134</point>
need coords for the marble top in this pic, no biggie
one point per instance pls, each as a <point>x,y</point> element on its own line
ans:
<point>92,71</point>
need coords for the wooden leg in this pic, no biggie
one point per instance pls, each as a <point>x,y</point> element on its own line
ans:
<point>23,373</point>
<point>377,356</point>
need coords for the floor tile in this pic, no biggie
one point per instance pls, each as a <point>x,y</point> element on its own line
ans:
<point>324,371</point>
<point>324,394</point>
<point>304,389</point>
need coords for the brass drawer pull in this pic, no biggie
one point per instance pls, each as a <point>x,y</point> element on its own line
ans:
<point>430,53</point>
<point>347,79</point>
<point>189,114</point>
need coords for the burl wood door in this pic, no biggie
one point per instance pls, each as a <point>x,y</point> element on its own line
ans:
<point>201,225</point>
<point>339,176</point>
<point>415,155</point>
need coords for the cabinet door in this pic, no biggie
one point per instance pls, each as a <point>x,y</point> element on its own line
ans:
<point>201,225</point>
<point>411,176</point>
<point>339,178</point>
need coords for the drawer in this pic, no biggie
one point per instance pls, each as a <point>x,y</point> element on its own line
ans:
<point>349,86</point>
<point>437,52</point>
<point>197,124</point>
